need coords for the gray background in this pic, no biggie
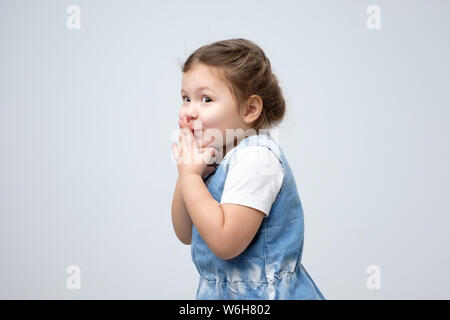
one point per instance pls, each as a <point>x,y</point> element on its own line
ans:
<point>86,118</point>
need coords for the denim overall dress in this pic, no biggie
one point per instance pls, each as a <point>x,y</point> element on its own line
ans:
<point>270,267</point>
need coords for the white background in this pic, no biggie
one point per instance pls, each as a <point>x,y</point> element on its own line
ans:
<point>86,118</point>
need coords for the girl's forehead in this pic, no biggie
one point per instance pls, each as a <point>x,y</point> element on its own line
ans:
<point>203,76</point>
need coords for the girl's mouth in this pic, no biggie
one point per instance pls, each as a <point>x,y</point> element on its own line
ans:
<point>194,132</point>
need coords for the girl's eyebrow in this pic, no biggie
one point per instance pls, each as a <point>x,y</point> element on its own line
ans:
<point>198,89</point>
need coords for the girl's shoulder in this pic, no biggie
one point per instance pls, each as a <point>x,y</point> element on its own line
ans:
<point>254,179</point>
<point>258,160</point>
<point>262,144</point>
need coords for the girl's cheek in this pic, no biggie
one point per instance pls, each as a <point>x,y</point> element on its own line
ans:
<point>209,121</point>
<point>213,118</point>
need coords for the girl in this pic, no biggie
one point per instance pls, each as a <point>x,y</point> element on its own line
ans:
<point>236,201</point>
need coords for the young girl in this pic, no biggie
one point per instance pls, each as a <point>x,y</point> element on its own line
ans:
<point>241,215</point>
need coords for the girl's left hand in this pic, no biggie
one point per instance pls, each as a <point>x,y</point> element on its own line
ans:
<point>189,157</point>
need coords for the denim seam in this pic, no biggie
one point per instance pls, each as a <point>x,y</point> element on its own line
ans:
<point>264,250</point>
<point>279,275</point>
<point>235,281</point>
<point>270,145</point>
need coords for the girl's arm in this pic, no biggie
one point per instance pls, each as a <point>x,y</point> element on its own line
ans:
<point>227,229</point>
<point>182,223</point>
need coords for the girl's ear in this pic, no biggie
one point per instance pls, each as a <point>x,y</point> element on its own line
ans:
<point>252,108</point>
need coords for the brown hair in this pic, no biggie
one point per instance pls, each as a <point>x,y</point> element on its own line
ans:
<point>247,71</point>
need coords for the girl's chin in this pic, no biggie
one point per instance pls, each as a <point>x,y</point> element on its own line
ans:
<point>204,143</point>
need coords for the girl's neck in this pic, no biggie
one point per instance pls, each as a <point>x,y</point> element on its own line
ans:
<point>236,141</point>
<point>225,151</point>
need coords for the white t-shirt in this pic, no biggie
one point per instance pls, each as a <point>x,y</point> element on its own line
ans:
<point>254,178</point>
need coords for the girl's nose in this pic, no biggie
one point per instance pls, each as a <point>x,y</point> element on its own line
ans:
<point>191,113</point>
<point>186,119</point>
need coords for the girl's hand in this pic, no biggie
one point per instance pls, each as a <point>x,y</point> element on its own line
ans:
<point>189,157</point>
<point>210,168</point>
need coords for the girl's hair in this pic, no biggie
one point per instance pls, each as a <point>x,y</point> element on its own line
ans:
<point>247,71</point>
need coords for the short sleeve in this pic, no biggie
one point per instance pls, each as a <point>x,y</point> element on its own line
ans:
<point>254,179</point>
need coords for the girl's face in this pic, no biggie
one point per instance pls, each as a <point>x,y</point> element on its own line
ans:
<point>206,97</point>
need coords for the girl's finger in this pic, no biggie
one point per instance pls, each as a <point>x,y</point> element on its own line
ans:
<point>183,123</point>
<point>208,155</point>
<point>182,136</point>
<point>212,140</point>
<point>175,146</point>
<point>187,136</point>
<point>186,133</point>
<point>174,152</point>
<point>213,152</point>
<point>179,151</point>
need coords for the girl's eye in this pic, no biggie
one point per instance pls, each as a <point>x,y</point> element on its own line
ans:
<point>207,98</point>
